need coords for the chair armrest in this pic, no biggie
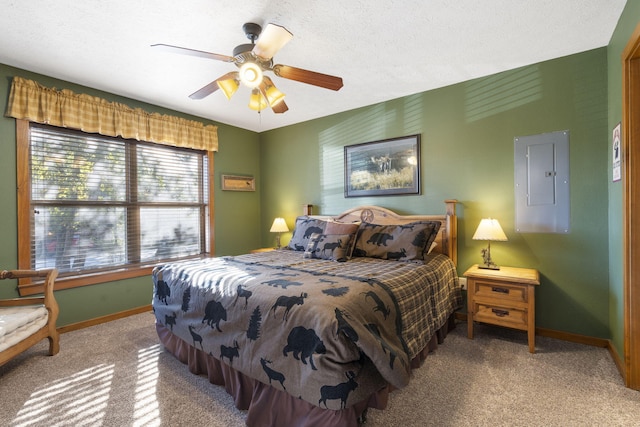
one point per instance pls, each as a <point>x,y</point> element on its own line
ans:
<point>19,274</point>
<point>16,302</point>
<point>46,331</point>
<point>49,275</point>
<point>48,299</point>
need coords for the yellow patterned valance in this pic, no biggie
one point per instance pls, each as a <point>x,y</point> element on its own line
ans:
<point>31,101</point>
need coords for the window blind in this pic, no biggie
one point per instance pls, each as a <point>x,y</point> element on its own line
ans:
<point>103,203</point>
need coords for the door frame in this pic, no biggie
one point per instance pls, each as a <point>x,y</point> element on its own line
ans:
<point>631,205</point>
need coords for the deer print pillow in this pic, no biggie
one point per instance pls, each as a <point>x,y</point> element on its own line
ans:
<point>334,247</point>
<point>334,227</point>
<point>406,242</point>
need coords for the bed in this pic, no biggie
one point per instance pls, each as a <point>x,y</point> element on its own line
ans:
<point>317,332</point>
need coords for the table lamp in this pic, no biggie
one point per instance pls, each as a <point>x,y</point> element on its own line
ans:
<point>279,226</point>
<point>489,229</point>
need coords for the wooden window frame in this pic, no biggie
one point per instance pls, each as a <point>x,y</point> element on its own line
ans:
<point>26,286</point>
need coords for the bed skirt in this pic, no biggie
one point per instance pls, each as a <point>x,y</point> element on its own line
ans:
<point>267,406</point>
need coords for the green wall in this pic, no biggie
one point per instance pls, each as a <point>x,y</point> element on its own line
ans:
<point>237,227</point>
<point>627,23</point>
<point>468,132</point>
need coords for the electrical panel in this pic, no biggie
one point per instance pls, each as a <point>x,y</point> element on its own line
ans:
<point>541,164</point>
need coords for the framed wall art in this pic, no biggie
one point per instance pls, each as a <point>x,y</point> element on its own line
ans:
<point>238,183</point>
<point>616,154</point>
<point>382,168</point>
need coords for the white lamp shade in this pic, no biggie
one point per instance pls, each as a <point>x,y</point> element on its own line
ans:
<point>279,226</point>
<point>271,40</point>
<point>489,229</point>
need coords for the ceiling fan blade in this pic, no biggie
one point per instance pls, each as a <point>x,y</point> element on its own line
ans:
<point>212,87</point>
<point>271,40</point>
<point>310,77</point>
<point>280,107</point>
<point>205,91</point>
<point>193,52</point>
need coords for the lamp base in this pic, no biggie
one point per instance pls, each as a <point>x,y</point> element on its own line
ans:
<point>489,267</point>
<point>488,263</point>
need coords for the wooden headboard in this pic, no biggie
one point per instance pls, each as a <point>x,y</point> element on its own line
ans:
<point>447,238</point>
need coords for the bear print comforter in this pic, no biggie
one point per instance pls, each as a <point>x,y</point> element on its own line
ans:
<point>327,332</point>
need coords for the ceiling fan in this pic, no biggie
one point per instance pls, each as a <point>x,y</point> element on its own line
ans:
<point>253,59</point>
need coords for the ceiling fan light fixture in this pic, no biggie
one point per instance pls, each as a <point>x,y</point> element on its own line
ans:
<point>271,92</point>
<point>257,101</point>
<point>274,96</point>
<point>271,40</point>
<point>229,87</point>
<point>251,74</point>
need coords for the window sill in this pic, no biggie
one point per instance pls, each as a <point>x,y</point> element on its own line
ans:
<point>70,282</point>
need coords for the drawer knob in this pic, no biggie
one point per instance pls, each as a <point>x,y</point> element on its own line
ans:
<point>500,290</point>
<point>500,313</point>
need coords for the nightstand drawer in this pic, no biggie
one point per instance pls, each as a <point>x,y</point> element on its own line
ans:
<point>501,291</point>
<point>502,316</point>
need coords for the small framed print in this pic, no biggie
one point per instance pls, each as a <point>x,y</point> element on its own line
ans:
<point>238,183</point>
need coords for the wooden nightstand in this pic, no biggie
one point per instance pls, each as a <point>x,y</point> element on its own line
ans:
<point>504,297</point>
<point>257,251</point>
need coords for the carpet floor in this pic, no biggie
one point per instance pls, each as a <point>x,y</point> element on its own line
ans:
<point>117,374</point>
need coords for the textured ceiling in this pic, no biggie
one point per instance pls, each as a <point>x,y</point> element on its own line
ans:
<point>382,49</point>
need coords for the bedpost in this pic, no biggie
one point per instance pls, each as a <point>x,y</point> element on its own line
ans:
<point>452,229</point>
<point>306,209</point>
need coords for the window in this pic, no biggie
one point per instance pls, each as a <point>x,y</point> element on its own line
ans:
<point>100,204</point>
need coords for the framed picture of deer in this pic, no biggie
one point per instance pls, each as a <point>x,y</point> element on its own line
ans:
<point>382,168</point>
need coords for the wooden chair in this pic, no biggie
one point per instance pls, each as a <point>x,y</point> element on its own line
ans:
<point>18,313</point>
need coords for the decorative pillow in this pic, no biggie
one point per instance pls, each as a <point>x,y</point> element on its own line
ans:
<point>335,227</point>
<point>329,246</point>
<point>404,242</point>
<point>303,230</point>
